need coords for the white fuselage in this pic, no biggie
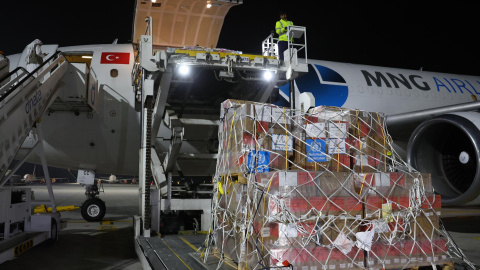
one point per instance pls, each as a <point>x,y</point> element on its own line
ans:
<point>386,90</point>
<point>109,141</point>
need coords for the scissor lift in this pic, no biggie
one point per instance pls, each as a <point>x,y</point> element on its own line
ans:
<point>152,98</point>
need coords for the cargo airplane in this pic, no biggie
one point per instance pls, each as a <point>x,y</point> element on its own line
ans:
<point>420,106</point>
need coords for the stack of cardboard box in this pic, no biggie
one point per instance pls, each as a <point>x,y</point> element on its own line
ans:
<point>299,188</point>
<point>410,219</point>
<point>254,137</point>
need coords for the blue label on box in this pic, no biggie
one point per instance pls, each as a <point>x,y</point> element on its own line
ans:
<point>262,159</point>
<point>316,150</point>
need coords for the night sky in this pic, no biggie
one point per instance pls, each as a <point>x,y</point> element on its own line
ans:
<point>438,37</point>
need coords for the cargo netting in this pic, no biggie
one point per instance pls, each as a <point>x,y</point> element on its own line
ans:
<point>321,189</point>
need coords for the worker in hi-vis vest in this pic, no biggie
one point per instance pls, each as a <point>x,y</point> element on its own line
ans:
<point>281,29</point>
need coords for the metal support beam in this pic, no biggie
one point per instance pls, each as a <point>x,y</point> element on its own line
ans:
<point>175,145</point>
<point>158,173</point>
<point>168,203</point>
<point>291,90</point>
<point>171,156</point>
<point>161,100</point>
<point>171,120</point>
<point>41,153</point>
<point>199,122</point>
<point>145,164</point>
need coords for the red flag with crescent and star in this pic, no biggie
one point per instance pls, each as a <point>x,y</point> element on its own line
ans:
<point>115,58</point>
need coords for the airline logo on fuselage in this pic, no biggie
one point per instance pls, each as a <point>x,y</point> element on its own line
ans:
<point>450,85</point>
<point>331,89</point>
<point>326,85</point>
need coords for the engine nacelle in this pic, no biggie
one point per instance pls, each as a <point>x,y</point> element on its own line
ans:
<point>448,147</point>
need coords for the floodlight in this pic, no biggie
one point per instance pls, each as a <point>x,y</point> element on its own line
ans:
<point>184,70</point>
<point>267,75</point>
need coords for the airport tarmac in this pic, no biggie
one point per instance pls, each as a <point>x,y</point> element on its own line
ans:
<point>109,245</point>
<point>106,245</point>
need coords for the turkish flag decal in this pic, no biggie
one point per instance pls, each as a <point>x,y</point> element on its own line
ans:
<point>115,58</point>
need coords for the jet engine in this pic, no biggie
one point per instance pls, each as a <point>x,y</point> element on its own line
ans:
<point>447,146</point>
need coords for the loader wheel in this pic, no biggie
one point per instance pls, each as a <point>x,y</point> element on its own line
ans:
<point>53,233</point>
<point>93,209</point>
<point>54,230</point>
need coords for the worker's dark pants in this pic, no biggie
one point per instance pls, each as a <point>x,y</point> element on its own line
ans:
<point>282,46</point>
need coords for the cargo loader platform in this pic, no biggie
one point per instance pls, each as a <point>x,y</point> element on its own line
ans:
<point>178,93</point>
<point>183,251</point>
<point>178,252</point>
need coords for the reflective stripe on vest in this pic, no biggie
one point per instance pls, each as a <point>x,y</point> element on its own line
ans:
<point>283,37</point>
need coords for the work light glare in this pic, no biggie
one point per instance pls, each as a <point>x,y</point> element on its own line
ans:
<point>267,75</point>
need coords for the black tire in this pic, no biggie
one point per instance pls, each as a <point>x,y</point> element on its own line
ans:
<point>93,209</point>
<point>53,233</point>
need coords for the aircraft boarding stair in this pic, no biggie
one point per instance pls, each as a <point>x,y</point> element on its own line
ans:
<point>24,97</point>
<point>4,65</point>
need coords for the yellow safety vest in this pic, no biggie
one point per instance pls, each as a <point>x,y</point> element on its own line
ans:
<point>281,29</point>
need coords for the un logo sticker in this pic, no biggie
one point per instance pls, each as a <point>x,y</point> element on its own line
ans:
<point>316,147</point>
<point>260,158</point>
